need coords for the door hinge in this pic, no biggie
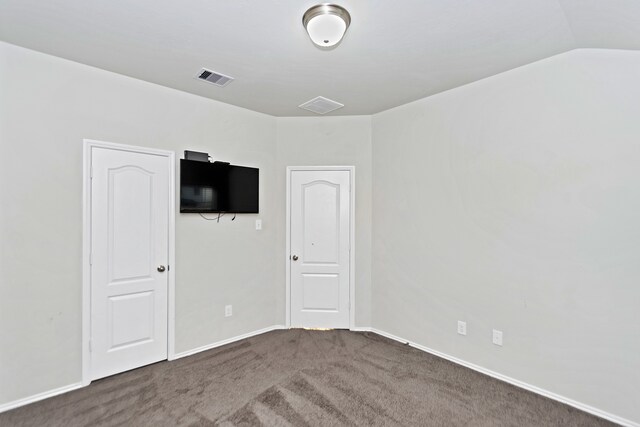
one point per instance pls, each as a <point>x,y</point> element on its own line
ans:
<point>91,172</point>
<point>90,346</point>
<point>90,258</point>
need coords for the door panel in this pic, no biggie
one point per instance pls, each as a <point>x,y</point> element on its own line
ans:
<point>131,319</point>
<point>129,240</point>
<point>321,292</point>
<point>320,233</point>
<point>130,206</point>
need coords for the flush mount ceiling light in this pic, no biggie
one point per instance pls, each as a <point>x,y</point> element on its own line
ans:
<point>326,24</point>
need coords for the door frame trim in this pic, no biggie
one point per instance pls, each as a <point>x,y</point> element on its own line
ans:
<point>352,238</point>
<point>87,146</point>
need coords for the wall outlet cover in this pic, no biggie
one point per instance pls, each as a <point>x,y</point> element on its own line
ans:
<point>497,337</point>
<point>462,327</point>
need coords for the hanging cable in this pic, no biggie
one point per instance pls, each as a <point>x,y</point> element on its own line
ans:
<point>213,219</point>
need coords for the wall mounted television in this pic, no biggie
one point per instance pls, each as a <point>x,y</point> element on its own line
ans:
<point>218,188</point>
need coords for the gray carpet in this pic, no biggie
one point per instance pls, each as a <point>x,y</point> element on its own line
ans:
<point>301,378</point>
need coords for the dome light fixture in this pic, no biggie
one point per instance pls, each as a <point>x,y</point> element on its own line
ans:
<point>326,24</point>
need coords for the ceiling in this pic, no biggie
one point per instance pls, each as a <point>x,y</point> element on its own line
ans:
<point>393,53</point>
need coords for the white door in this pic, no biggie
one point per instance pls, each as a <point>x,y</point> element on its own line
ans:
<point>319,259</point>
<point>129,254</point>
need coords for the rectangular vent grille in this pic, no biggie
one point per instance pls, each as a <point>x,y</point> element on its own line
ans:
<point>214,78</point>
<point>321,105</point>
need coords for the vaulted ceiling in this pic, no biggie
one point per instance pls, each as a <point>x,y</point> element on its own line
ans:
<point>393,53</point>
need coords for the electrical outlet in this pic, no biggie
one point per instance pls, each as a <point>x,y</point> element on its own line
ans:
<point>228,310</point>
<point>497,337</point>
<point>462,327</point>
<point>258,224</point>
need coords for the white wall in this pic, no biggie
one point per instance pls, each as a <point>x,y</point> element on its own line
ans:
<point>510,203</point>
<point>329,141</point>
<point>513,203</point>
<point>47,106</point>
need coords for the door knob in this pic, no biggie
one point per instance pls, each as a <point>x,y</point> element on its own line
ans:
<point>161,268</point>
<point>295,257</point>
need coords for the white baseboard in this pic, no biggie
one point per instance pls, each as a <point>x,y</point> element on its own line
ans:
<point>513,381</point>
<point>46,394</point>
<point>361,329</point>
<point>224,342</point>
<point>40,396</point>
<point>501,377</point>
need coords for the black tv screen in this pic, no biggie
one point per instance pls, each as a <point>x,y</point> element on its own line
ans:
<point>218,187</point>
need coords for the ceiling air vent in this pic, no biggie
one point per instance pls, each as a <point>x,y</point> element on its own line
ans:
<point>321,105</point>
<point>214,78</point>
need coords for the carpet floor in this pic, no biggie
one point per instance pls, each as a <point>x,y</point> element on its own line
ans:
<point>301,378</point>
